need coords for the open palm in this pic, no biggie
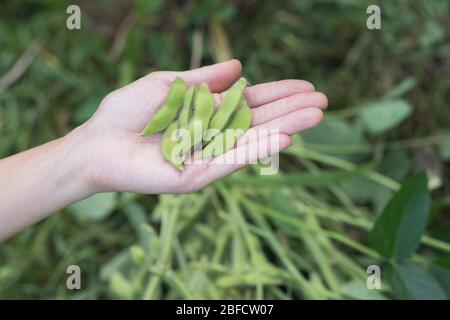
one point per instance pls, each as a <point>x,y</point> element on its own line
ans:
<point>119,161</point>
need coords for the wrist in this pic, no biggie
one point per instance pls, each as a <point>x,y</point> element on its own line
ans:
<point>76,156</point>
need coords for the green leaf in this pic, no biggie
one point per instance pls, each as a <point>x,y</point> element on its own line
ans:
<point>379,117</point>
<point>411,282</point>
<point>335,132</point>
<point>358,290</point>
<point>95,208</point>
<point>363,190</point>
<point>397,231</point>
<point>443,277</point>
<point>396,165</point>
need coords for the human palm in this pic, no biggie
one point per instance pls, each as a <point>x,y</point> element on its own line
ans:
<point>120,161</point>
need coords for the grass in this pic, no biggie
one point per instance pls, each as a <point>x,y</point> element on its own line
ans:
<point>301,234</point>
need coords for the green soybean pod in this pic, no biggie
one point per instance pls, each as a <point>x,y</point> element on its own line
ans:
<point>224,141</point>
<point>168,145</point>
<point>187,110</point>
<point>168,111</point>
<point>228,106</point>
<point>242,119</point>
<point>202,113</point>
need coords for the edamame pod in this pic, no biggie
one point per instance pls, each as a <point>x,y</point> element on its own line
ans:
<point>169,144</point>
<point>203,111</point>
<point>168,111</point>
<point>225,140</point>
<point>186,112</point>
<point>228,107</point>
<point>198,121</point>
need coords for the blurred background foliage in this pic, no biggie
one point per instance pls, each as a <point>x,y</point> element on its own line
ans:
<point>303,233</point>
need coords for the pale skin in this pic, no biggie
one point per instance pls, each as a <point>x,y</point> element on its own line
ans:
<point>104,154</point>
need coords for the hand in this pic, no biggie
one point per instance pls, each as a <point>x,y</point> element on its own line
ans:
<point>119,161</point>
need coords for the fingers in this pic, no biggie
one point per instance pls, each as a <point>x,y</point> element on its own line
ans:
<point>284,94</point>
<point>271,91</point>
<point>258,142</point>
<point>288,124</point>
<point>243,155</point>
<point>219,76</point>
<point>259,138</point>
<point>283,106</point>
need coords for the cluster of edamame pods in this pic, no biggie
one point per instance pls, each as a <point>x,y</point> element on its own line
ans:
<point>189,119</point>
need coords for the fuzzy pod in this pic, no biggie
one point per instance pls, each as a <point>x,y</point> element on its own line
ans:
<point>165,115</point>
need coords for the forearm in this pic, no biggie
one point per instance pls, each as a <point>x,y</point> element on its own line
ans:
<point>37,182</point>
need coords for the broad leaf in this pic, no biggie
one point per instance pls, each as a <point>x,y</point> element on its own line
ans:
<point>335,132</point>
<point>397,231</point>
<point>358,290</point>
<point>409,281</point>
<point>363,190</point>
<point>443,277</point>
<point>396,165</point>
<point>95,208</point>
<point>381,116</point>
